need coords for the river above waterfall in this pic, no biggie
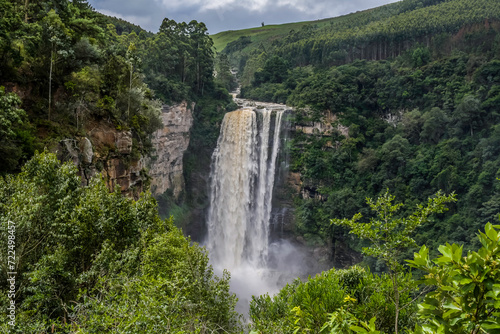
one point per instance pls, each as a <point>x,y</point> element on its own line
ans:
<point>244,103</point>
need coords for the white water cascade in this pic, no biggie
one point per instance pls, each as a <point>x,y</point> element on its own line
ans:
<point>239,217</point>
<point>242,179</point>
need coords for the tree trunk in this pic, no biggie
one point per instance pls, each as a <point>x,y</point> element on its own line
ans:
<point>396,300</point>
<point>50,78</point>
<point>129,92</point>
<point>26,3</point>
<point>184,69</point>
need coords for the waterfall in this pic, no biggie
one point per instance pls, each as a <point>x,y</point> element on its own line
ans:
<point>242,179</point>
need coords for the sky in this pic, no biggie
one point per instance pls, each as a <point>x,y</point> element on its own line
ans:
<point>222,15</point>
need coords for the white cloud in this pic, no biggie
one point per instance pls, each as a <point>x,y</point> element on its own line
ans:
<point>226,5</point>
<point>179,4</point>
<point>309,7</point>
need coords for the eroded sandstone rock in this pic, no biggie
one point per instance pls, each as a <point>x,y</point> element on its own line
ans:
<point>170,143</point>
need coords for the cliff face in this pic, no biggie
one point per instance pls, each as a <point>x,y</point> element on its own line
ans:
<point>170,143</point>
<point>323,128</point>
<point>107,150</point>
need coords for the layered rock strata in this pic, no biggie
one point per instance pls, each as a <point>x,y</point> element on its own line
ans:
<point>170,143</point>
<point>108,151</point>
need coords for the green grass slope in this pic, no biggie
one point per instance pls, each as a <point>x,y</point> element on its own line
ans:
<point>259,34</point>
<point>268,33</point>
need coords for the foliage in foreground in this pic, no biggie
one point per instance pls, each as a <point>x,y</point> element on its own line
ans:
<point>91,261</point>
<point>467,294</point>
<point>390,234</point>
<point>331,302</point>
<point>464,292</point>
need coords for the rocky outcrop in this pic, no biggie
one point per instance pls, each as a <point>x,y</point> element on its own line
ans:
<point>324,127</point>
<point>107,150</point>
<point>127,175</point>
<point>123,142</point>
<point>170,143</point>
<point>86,150</point>
<point>113,160</point>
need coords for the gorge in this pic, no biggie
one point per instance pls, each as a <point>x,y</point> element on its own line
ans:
<point>137,195</point>
<point>245,218</point>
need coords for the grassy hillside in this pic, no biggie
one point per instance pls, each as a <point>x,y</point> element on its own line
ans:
<point>373,34</point>
<point>264,34</point>
<point>269,33</point>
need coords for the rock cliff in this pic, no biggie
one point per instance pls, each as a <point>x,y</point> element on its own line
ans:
<point>108,151</point>
<point>170,143</point>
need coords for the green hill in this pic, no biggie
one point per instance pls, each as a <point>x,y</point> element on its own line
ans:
<point>265,34</point>
<point>376,33</point>
<point>269,33</point>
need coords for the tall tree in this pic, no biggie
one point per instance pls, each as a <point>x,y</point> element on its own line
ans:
<point>390,235</point>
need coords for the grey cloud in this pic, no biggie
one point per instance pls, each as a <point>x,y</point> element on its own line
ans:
<point>233,16</point>
<point>136,12</point>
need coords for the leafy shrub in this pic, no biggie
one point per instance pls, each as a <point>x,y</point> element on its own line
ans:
<point>93,261</point>
<point>305,306</point>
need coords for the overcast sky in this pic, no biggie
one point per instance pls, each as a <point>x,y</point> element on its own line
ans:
<point>221,15</point>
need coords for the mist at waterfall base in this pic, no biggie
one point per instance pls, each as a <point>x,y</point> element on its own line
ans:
<point>242,179</point>
<point>286,262</point>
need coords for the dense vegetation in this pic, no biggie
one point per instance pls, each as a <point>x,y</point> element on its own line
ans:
<point>408,96</point>
<point>309,306</point>
<point>413,130</point>
<point>93,261</point>
<point>74,68</point>
<point>89,260</point>
<point>461,293</point>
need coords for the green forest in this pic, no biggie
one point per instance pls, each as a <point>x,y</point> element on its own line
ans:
<point>73,67</point>
<point>407,173</point>
<point>419,117</point>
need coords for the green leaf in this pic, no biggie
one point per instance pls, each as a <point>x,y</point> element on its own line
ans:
<point>483,240</point>
<point>445,250</point>
<point>466,288</point>
<point>427,306</point>
<point>490,232</point>
<point>491,325</point>
<point>358,329</point>
<point>447,288</point>
<point>457,255</point>
<point>462,279</point>
<point>452,306</point>
<point>454,321</point>
<point>443,259</point>
<point>447,314</point>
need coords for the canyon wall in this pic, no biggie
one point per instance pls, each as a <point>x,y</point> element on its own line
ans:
<point>170,143</point>
<point>108,151</point>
